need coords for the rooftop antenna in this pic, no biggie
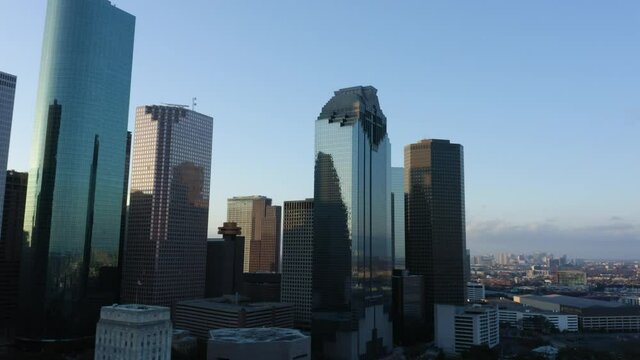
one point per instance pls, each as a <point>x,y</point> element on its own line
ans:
<point>194,102</point>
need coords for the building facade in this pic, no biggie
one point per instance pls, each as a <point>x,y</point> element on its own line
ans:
<point>225,259</point>
<point>133,332</point>
<point>458,328</point>
<point>352,250</point>
<point>260,223</point>
<point>435,221</point>
<point>408,307</point>
<point>7,97</point>
<point>74,196</point>
<point>201,315</point>
<point>475,292</point>
<point>10,246</point>
<point>571,278</point>
<point>165,257</point>
<point>270,343</point>
<point>297,259</point>
<point>397,217</point>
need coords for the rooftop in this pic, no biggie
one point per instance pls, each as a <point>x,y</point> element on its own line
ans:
<point>254,335</point>
<point>228,304</point>
<point>577,302</point>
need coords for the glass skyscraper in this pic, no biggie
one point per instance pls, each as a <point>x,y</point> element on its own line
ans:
<point>352,251</point>
<point>397,220</point>
<point>435,222</point>
<point>7,96</point>
<point>74,196</point>
<point>166,247</point>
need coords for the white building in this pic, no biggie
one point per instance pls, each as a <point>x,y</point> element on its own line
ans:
<point>133,332</point>
<point>258,343</point>
<point>457,328</point>
<point>513,313</point>
<point>475,292</point>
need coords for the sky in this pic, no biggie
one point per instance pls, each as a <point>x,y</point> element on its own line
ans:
<point>544,96</point>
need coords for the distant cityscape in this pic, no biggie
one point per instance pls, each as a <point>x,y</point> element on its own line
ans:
<point>104,248</point>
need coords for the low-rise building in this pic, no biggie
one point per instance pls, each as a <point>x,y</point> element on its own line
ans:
<point>516,314</point>
<point>258,343</point>
<point>201,315</point>
<point>571,278</point>
<point>133,332</point>
<point>475,292</point>
<point>458,328</point>
<point>593,315</point>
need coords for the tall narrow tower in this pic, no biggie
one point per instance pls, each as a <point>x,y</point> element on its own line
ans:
<point>74,196</point>
<point>352,254</point>
<point>435,222</point>
<point>7,96</point>
<point>166,247</point>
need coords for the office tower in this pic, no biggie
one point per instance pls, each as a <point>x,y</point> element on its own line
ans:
<point>475,292</point>
<point>225,258</point>
<point>134,332</point>
<point>7,96</point>
<point>458,328</point>
<point>352,249</point>
<point>74,197</point>
<point>408,307</point>
<point>269,343</point>
<point>397,217</point>
<point>297,258</point>
<point>435,223</point>
<point>259,222</point>
<point>123,216</point>
<point>10,246</point>
<point>166,250</point>
<point>262,286</point>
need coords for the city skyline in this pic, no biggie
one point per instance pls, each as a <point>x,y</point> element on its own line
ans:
<point>557,116</point>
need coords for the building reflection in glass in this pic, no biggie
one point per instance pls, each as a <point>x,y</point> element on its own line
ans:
<point>352,255</point>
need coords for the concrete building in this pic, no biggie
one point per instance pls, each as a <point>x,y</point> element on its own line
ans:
<point>260,224</point>
<point>201,315</point>
<point>297,259</point>
<point>10,249</point>
<point>262,287</point>
<point>435,222</point>
<point>571,278</point>
<point>7,97</point>
<point>73,209</point>
<point>397,217</point>
<point>262,343</point>
<point>513,313</point>
<point>352,228</point>
<point>458,328</point>
<point>133,332</point>
<point>165,257</point>
<point>225,259</point>
<point>593,315</point>
<point>630,300</point>
<point>475,292</point>
<point>409,318</point>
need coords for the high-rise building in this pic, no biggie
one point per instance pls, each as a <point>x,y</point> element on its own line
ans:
<point>166,249</point>
<point>475,292</point>
<point>259,222</point>
<point>297,258</point>
<point>435,222</point>
<point>7,96</point>
<point>74,197</point>
<point>458,328</point>
<point>225,259</point>
<point>352,248</point>
<point>125,209</point>
<point>134,332</point>
<point>10,246</point>
<point>397,217</point>
<point>408,307</point>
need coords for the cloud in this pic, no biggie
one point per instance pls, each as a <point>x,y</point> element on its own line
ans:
<point>611,240</point>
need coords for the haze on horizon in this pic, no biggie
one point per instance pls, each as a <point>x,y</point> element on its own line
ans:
<point>543,95</point>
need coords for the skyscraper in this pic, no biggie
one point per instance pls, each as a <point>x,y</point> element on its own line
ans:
<point>74,197</point>
<point>397,217</point>
<point>259,222</point>
<point>166,248</point>
<point>7,96</point>
<point>297,259</point>
<point>224,262</point>
<point>10,246</point>
<point>435,222</point>
<point>352,251</point>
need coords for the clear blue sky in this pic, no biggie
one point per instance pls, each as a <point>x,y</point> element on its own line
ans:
<point>544,95</point>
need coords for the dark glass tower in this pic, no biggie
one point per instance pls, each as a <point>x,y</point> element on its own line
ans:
<point>166,246</point>
<point>435,222</point>
<point>74,197</point>
<point>7,96</point>
<point>352,255</point>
